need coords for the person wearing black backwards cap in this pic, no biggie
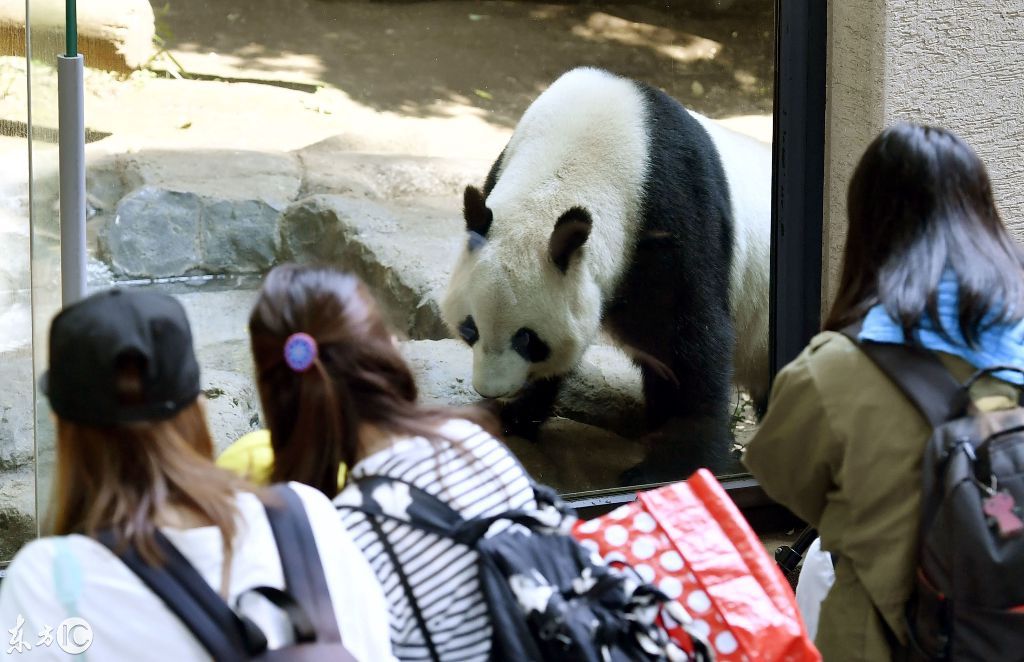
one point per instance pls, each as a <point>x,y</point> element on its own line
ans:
<point>134,469</point>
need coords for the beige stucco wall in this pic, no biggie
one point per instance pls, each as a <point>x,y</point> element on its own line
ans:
<point>954,63</point>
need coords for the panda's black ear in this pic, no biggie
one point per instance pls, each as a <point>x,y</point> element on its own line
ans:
<point>474,209</point>
<point>571,231</point>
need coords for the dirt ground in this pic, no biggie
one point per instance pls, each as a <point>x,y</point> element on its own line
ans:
<point>439,78</point>
<point>434,58</point>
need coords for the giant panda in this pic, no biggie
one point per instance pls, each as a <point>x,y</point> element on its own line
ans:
<point>614,208</point>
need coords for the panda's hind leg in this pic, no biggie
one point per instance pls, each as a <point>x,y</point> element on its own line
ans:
<point>688,431</point>
<point>683,344</point>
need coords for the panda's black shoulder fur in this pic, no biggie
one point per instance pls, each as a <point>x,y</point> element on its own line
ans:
<point>686,183</point>
<point>672,300</point>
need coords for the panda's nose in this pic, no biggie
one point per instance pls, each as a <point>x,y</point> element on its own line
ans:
<point>493,390</point>
<point>497,386</point>
<point>498,374</point>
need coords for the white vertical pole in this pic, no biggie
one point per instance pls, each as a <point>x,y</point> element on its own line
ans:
<point>71,108</point>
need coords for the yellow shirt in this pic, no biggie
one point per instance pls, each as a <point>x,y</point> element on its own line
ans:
<point>252,457</point>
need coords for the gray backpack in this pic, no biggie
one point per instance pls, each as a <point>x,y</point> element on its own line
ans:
<point>968,599</point>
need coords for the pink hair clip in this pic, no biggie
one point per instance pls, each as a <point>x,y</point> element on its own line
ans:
<point>300,351</point>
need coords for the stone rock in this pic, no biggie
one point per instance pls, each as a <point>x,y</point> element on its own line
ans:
<point>273,178</point>
<point>238,236</point>
<point>154,233</point>
<point>98,275</point>
<point>219,320</point>
<point>14,215</point>
<point>443,371</point>
<point>574,457</point>
<point>404,252</point>
<point>217,316</point>
<point>15,322</point>
<point>604,392</point>
<point>17,489</point>
<point>160,233</point>
<point>17,445</point>
<point>232,356</point>
<point>17,513</point>
<point>215,214</point>
<point>331,168</point>
<point>232,406</point>
<point>14,267</point>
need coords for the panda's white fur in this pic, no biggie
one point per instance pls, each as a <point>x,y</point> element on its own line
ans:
<point>584,141</point>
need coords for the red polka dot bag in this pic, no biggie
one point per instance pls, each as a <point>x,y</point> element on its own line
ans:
<point>690,540</point>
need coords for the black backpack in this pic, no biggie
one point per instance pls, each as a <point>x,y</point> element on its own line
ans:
<point>547,597</point>
<point>225,634</point>
<point>968,599</point>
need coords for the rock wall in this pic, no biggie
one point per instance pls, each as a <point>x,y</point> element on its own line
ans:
<point>392,219</point>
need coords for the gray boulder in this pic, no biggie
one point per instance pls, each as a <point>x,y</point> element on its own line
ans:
<point>232,406</point>
<point>154,233</point>
<point>238,236</point>
<point>606,391</point>
<point>14,267</point>
<point>227,174</point>
<point>330,167</point>
<point>404,252</point>
<point>164,214</point>
<point>159,233</point>
<point>16,408</point>
<point>575,457</point>
<point>17,510</point>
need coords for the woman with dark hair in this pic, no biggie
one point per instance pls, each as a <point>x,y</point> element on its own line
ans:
<point>341,394</point>
<point>929,263</point>
<point>134,469</point>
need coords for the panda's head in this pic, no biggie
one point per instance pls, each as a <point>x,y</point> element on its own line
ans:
<point>524,301</point>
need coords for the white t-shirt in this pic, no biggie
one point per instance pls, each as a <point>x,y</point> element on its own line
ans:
<point>479,477</point>
<point>55,578</point>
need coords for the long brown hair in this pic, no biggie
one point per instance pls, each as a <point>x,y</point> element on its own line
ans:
<point>121,477</point>
<point>920,202</point>
<point>358,376</point>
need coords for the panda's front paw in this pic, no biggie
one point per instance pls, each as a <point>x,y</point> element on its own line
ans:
<point>516,422</point>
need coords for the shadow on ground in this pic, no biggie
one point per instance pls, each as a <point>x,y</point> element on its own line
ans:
<point>435,58</point>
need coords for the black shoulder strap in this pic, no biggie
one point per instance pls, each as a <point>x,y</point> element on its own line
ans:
<point>303,570</point>
<point>932,389</point>
<point>426,512</point>
<point>188,596</point>
<point>383,497</point>
<point>403,578</point>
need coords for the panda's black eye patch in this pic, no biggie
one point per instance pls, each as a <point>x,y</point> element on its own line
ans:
<point>468,331</point>
<point>529,346</point>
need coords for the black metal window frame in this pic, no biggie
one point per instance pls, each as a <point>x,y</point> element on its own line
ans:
<point>797,214</point>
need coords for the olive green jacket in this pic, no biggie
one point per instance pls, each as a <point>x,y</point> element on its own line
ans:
<point>841,447</point>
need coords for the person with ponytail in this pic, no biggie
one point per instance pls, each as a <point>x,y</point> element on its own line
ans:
<point>134,474</point>
<point>336,393</point>
<point>930,264</point>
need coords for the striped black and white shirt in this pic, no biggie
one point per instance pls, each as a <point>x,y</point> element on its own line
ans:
<point>476,477</point>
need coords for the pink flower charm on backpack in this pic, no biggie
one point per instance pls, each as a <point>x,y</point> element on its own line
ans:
<point>1003,513</point>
